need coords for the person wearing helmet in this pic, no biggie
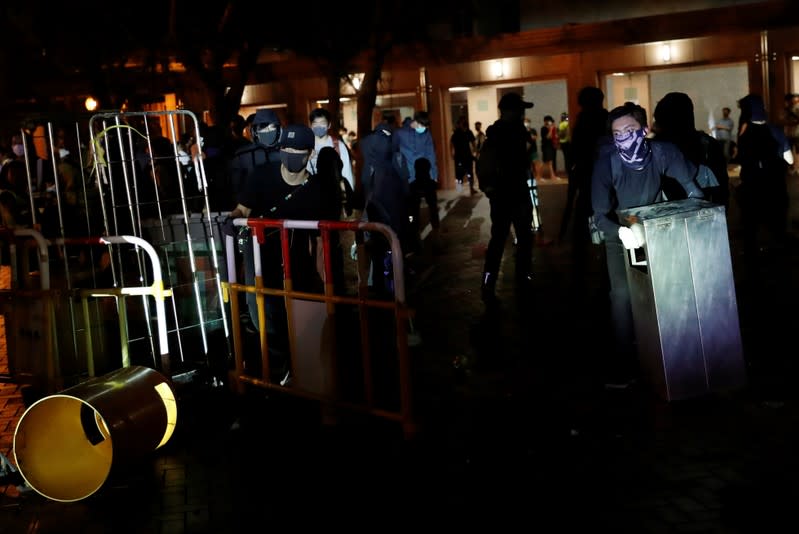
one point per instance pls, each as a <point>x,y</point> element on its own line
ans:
<point>264,131</point>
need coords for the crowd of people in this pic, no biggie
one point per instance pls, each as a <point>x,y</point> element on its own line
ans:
<point>613,160</point>
<point>617,161</point>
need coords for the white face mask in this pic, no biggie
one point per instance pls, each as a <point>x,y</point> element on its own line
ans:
<point>63,152</point>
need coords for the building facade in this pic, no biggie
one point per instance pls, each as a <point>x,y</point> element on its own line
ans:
<point>715,55</point>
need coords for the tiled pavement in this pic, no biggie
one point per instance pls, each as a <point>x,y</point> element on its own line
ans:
<point>516,428</point>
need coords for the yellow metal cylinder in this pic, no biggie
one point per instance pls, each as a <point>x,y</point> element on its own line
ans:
<point>66,444</point>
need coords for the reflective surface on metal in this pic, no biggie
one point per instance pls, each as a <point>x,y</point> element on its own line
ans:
<point>684,303</point>
<point>66,444</point>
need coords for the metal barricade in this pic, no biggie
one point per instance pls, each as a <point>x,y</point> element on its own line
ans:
<point>157,341</point>
<point>27,306</point>
<point>322,361</point>
<point>51,341</point>
<point>146,186</point>
<point>133,176</point>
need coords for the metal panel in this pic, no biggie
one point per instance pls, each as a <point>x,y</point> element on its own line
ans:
<point>716,302</point>
<point>683,300</point>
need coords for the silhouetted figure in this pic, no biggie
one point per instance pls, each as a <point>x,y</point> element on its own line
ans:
<point>590,133</point>
<point>509,195</point>
<point>764,154</point>
<point>674,122</point>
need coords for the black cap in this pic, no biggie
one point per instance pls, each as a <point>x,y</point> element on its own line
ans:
<point>513,101</point>
<point>297,136</point>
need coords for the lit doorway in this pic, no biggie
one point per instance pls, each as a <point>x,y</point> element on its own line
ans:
<point>479,104</point>
<point>711,88</point>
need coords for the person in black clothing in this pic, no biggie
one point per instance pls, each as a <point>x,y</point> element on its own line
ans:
<point>422,187</point>
<point>590,133</point>
<point>764,153</point>
<point>509,195</point>
<point>290,193</point>
<point>265,133</point>
<point>462,150</point>
<point>386,196</point>
<point>674,122</point>
<point>641,166</point>
<point>329,174</point>
<point>253,169</point>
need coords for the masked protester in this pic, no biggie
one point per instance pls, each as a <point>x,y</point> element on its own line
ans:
<point>265,134</point>
<point>293,193</point>
<point>627,174</point>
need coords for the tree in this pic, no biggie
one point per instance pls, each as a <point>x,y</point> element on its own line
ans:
<point>97,43</point>
<point>207,40</point>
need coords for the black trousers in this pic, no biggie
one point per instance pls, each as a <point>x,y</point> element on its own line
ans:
<point>464,169</point>
<point>422,188</point>
<point>621,313</point>
<point>506,210</point>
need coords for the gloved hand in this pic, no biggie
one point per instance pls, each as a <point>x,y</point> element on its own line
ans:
<point>228,228</point>
<point>630,239</point>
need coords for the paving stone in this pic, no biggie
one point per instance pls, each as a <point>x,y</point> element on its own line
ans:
<point>663,467</point>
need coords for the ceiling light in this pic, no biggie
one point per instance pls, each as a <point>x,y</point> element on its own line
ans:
<point>665,52</point>
<point>497,69</point>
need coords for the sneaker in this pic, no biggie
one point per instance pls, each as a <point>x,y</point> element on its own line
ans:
<point>286,380</point>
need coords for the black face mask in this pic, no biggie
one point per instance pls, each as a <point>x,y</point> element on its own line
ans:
<point>293,162</point>
<point>269,138</point>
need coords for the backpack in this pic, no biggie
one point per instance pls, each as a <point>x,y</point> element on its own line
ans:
<point>704,176</point>
<point>488,168</point>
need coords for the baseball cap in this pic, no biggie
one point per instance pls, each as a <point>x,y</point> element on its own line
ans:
<point>297,136</point>
<point>513,101</point>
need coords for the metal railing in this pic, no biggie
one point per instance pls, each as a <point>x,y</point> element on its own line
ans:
<point>311,322</point>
